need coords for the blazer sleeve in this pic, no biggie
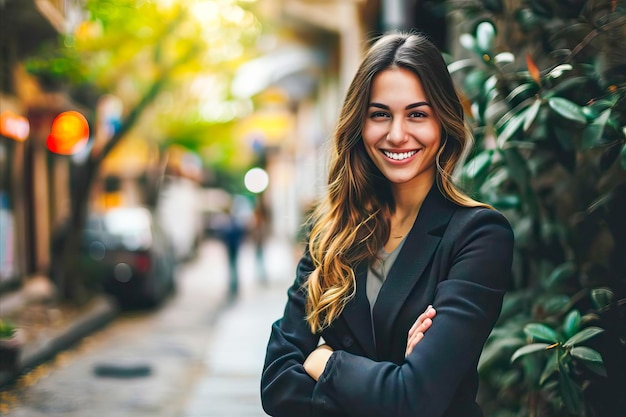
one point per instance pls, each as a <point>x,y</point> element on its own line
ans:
<point>286,389</point>
<point>468,303</point>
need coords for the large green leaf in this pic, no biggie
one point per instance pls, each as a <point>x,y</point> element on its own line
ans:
<point>550,368</point>
<point>527,20</point>
<point>504,57</point>
<point>460,65</point>
<point>567,109</point>
<point>583,335</point>
<point>485,36</point>
<point>571,325</point>
<point>593,131</point>
<point>601,297</point>
<point>523,90</point>
<point>467,41</point>
<point>586,354</point>
<point>495,180</point>
<point>624,157</point>
<point>541,332</point>
<point>506,202</point>
<point>561,273</point>
<point>477,168</point>
<point>531,114</point>
<point>557,71</point>
<point>495,111</point>
<point>597,368</point>
<point>513,305</point>
<point>511,127</point>
<point>525,350</point>
<point>556,303</point>
<point>473,83</point>
<point>496,348</point>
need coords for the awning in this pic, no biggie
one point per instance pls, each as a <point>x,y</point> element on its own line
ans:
<point>294,69</point>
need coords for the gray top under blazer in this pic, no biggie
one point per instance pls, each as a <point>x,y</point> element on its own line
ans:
<point>459,260</point>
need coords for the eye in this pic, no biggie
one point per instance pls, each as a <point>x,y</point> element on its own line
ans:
<point>417,114</point>
<point>378,115</point>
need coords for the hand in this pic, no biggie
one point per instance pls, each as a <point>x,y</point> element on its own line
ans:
<point>316,362</point>
<point>416,332</point>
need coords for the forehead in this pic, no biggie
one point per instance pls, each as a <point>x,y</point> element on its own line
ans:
<point>396,84</point>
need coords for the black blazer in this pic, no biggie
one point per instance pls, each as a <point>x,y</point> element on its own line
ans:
<point>457,259</point>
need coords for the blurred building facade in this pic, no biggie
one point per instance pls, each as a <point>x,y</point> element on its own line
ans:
<point>34,191</point>
<point>35,184</point>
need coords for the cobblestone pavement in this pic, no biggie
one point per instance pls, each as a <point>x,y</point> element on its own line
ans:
<point>197,356</point>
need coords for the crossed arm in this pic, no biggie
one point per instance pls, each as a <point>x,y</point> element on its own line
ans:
<point>316,361</point>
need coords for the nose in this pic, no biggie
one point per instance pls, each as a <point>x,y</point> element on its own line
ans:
<point>397,132</point>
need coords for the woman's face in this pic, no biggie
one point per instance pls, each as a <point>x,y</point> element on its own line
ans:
<point>401,131</point>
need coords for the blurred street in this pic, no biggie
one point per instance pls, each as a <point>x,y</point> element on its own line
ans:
<point>198,355</point>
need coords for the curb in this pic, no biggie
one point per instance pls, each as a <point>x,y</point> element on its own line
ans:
<point>101,312</point>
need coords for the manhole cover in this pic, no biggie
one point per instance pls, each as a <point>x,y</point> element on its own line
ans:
<point>123,368</point>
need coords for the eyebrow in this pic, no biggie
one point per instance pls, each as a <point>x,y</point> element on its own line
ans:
<point>410,106</point>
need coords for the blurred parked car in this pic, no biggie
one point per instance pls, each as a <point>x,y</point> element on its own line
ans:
<point>129,254</point>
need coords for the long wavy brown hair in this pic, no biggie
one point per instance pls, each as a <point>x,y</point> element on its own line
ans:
<point>351,224</point>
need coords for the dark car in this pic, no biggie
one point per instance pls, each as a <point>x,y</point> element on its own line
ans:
<point>130,256</point>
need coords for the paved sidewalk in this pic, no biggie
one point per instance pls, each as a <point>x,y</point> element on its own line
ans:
<point>48,326</point>
<point>229,384</point>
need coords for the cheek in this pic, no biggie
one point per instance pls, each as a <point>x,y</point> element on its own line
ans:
<point>369,150</point>
<point>368,137</point>
<point>430,136</point>
<point>372,133</point>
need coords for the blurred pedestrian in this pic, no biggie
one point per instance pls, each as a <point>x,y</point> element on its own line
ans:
<point>259,230</point>
<point>403,276</point>
<point>233,233</point>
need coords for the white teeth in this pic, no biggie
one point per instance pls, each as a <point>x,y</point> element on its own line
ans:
<point>399,156</point>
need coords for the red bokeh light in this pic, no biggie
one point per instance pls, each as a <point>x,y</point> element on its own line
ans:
<point>69,133</point>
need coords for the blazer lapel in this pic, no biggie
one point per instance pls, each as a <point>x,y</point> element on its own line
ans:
<point>357,314</point>
<point>418,249</point>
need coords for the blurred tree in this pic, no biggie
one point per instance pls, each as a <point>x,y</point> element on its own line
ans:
<point>168,63</point>
<point>544,86</point>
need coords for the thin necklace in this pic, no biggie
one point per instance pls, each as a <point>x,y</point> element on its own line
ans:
<point>401,236</point>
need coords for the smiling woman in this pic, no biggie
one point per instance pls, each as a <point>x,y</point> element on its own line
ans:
<point>403,275</point>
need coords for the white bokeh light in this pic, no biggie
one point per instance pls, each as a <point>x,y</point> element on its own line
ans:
<point>256,180</point>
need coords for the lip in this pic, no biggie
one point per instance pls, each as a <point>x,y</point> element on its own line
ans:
<point>403,161</point>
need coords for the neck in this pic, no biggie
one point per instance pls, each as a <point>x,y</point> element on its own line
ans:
<point>408,199</point>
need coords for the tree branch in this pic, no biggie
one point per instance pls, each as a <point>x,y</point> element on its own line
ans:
<point>592,35</point>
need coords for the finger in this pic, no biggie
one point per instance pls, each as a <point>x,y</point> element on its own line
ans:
<point>425,325</point>
<point>413,342</point>
<point>428,313</point>
<point>419,320</point>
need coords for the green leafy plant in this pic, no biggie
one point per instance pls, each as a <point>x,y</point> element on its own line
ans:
<point>544,89</point>
<point>564,354</point>
<point>7,329</point>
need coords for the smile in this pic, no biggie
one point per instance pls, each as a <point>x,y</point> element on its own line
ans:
<point>399,156</point>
